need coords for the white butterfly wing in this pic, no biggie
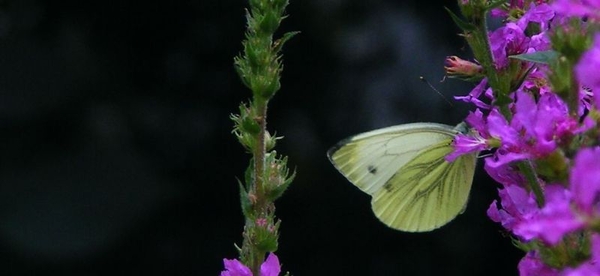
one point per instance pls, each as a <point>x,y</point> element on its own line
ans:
<point>403,167</point>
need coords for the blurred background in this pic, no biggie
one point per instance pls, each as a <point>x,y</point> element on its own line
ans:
<point>116,154</point>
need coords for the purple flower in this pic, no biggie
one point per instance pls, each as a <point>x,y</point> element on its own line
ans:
<point>536,81</point>
<point>541,14</point>
<point>473,96</point>
<point>270,267</point>
<point>585,180</point>
<point>532,265</point>
<point>511,142</point>
<point>517,205</point>
<point>534,130</point>
<point>579,8</point>
<point>472,142</point>
<point>506,41</point>
<point>553,221</point>
<point>464,144</point>
<point>587,70</point>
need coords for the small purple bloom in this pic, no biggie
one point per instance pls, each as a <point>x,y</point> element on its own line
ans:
<point>506,41</point>
<point>553,221</point>
<point>477,122</point>
<point>534,130</point>
<point>464,144</point>
<point>585,180</point>
<point>587,70</point>
<point>517,205</point>
<point>537,80</point>
<point>473,96</point>
<point>532,265</point>
<point>579,8</point>
<point>541,14</point>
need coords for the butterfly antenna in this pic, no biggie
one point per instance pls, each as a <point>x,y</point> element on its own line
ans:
<point>434,89</point>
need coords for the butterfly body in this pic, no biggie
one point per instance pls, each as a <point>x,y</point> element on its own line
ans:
<point>403,168</point>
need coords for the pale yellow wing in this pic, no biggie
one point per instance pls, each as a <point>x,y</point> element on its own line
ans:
<point>404,169</point>
<point>427,192</point>
<point>370,159</point>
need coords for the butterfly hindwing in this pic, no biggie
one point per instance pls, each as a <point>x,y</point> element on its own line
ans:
<point>426,192</point>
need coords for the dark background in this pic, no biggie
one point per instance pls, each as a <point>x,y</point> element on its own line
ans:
<point>116,154</point>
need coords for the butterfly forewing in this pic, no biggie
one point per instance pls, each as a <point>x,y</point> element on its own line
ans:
<point>370,159</point>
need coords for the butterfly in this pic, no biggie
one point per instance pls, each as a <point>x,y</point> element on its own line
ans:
<point>403,168</point>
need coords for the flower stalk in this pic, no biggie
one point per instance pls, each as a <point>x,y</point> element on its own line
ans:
<point>267,176</point>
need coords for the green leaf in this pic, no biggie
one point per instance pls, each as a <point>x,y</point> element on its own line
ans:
<point>543,57</point>
<point>465,26</point>
<point>249,174</point>
<point>244,200</point>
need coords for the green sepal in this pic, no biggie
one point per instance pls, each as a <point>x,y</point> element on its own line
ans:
<point>271,141</point>
<point>570,252</point>
<point>278,44</point>
<point>518,80</point>
<point>266,238</point>
<point>252,55</point>
<point>525,246</point>
<point>249,174</point>
<point>463,25</point>
<point>278,190</point>
<point>269,22</point>
<point>542,57</point>
<point>277,176</point>
<point>240,68</point>
<point>495,4</point>
<point>553,167</point>
<point>245,201</point>
<point>248,122</point>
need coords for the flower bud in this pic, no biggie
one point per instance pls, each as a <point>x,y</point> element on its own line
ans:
<point>463,69</point>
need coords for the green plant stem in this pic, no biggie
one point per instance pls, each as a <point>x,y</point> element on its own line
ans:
<point>527,169</point>
<point>260,152</point>
<point>500,82</point>
<point>260,207</point>
<point>480,44</point>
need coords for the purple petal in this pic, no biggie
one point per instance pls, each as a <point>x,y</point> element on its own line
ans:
<point>588,69</point>
<point>466,144</point>
<point>553,221</point>
<point>477,122</point>
<point>585,179</point>
<point>235,268</point>
<point>504,175</point>
<point>532,265</point>
<point>271,266</point>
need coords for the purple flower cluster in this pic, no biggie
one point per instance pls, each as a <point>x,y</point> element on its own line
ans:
<point>558,227</point>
